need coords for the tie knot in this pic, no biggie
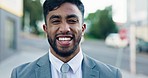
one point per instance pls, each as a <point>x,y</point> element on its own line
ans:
<point>65,68</point>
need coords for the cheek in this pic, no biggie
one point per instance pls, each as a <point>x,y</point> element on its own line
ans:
<point>52,31</point>
<point>78,30</point>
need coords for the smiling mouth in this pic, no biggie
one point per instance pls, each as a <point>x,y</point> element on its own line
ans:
<point>64,40</point>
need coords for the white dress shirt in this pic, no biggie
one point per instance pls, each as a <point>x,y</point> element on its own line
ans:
<point>74,63</point>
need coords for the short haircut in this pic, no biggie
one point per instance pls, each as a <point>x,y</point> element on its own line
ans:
<point>50,5</point>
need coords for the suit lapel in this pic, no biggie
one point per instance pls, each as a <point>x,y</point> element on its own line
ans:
<point>88,68</point>
<point>44,68</point>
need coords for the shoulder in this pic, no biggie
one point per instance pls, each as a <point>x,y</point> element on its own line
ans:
<point>106,70</point>
<point>28,69</point>
<point>23,70</point>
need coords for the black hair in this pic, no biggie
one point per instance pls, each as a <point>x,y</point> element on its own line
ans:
<point>50,5</point>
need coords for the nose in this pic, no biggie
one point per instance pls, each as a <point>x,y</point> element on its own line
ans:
<point>64,28</point>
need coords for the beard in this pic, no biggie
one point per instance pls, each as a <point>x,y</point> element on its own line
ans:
<point>65,52</point>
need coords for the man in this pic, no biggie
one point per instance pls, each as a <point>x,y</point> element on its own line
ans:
<point>65,27</point>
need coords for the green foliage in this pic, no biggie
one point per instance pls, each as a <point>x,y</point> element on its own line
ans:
<point>34,8</point>
<point>101,23</point>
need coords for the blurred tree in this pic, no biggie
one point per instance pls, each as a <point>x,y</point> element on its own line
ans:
<point>101,23</point>
<point>34,9</point>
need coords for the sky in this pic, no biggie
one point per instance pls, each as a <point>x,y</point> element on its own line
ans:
<point>92,5</point>
<point>119,8</point>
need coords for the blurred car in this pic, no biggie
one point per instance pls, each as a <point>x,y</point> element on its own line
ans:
<point>114,40</point>
<point>142,46</point>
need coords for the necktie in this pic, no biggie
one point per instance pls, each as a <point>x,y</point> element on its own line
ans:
<point>64,70</point>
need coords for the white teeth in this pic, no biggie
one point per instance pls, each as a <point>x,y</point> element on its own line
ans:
<point>64,39</point>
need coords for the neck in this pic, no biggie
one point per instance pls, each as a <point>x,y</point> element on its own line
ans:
<point>65,59</point>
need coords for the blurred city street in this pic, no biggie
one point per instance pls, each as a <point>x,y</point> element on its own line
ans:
<point>116,32</point>
<point>34,47</point>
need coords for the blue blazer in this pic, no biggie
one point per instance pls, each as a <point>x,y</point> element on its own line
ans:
<point>41,68</point>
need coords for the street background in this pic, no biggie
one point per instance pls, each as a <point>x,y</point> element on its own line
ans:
<point>33,47</point>
<point>125,20</point>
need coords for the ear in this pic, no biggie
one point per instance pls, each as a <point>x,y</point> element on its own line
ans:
<point>45,28</point>
<point>83,29</point>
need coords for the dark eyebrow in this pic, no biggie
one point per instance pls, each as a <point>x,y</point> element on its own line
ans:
<point>54,16</point>
<point>72,16</point>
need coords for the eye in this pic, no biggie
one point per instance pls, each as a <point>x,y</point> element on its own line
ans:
<point>72,21</point>
<point>55,22</point>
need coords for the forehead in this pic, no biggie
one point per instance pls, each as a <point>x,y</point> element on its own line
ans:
<point>66,9</point>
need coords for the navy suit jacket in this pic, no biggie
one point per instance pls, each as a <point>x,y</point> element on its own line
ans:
<point>41,68</point>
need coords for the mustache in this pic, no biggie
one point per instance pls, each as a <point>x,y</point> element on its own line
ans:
<point>68,33</point>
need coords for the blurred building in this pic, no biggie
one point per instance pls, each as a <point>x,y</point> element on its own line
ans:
<point>10,13</point>
<point>138,15</point>
<point>132,12</point>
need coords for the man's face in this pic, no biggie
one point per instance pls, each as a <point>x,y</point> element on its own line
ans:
<point>64,29</point>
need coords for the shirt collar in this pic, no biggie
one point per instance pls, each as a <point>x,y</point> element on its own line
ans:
<point>74,63</point>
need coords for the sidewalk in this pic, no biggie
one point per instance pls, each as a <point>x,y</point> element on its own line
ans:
<point>23,57</point>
